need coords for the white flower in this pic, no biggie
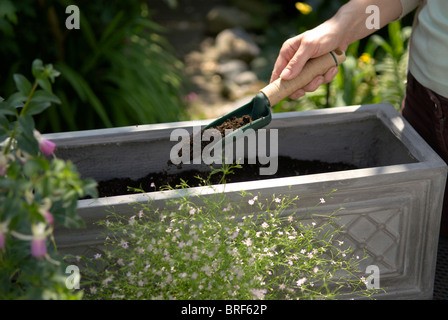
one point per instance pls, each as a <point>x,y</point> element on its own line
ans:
<point>301,281</point>
<point>181,245</point>
<point>322,200</point>
<point>247,242</point>
<point>251,202</point>
<point>264,225</point>
<point>124,244</point>
<point>278,200</point>
<point>259,293</point>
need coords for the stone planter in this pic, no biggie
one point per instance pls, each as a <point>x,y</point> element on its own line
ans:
<point>392,203</point>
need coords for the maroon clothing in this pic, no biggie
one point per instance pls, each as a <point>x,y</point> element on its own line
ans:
<point>427,112</point>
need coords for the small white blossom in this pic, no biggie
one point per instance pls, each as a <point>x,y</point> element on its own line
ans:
<point>300,282</point>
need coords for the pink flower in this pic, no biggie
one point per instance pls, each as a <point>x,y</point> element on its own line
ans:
<point>38,241</point>
<point>49,217</point>
<point>46,146</point>
<point>38,247</point>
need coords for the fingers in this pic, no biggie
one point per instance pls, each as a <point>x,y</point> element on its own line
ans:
<point>287,52</point>
<point>296,63</point>
<point>316,83</point>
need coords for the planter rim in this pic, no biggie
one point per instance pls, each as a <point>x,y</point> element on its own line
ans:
<point>370,109</point>
<point>384,112</point>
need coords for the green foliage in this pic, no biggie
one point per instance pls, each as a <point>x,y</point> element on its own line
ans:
<point>392,68</point>
<point>35,193</point>
<point>117,69</point>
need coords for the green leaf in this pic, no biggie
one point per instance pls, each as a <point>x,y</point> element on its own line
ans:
<point>8,10</point>
<point>16,99</point>
<point>32,167</point>
<point>45,96</point>
<point>22,84</point>
<point>35,107</point>
<point>7,109</point>
<point>44,84</point>
<point>25,139</point>
<point>37,68</point>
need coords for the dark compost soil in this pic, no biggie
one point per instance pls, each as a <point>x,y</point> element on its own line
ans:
<point>155,181</point>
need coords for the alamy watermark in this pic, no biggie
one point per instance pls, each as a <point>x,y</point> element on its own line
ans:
<point>373,20</point>
<point>73,20</point>
<point>373,280</point>
<point>73,280</point>
<point>261,146</point>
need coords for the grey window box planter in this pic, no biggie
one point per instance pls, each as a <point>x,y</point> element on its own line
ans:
<point>392,204</point>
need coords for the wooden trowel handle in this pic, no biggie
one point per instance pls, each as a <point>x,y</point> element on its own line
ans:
<point>280,89</point>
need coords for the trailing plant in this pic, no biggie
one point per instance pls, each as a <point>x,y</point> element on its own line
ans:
<point>37,191</point>
<point>207,247</point>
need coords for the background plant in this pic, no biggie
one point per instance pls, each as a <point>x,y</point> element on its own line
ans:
<point>210,248</point>
<point>117,69</point>
<point>36,193</point>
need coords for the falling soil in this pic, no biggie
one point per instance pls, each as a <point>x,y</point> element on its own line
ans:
<point>249,172</point>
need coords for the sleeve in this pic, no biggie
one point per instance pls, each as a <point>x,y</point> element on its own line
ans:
<point>408,6</point>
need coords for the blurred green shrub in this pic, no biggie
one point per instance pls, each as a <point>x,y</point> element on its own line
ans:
<point>116,70</point>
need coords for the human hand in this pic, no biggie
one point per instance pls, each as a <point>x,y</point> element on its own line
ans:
<point>296,51</point>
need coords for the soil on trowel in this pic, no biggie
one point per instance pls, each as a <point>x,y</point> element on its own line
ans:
<point>156,181</point>
<point>230,124</point>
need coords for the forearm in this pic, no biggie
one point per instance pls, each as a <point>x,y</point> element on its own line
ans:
<point>350,20</point>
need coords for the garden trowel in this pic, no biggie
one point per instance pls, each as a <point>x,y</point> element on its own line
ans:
<point>259,108</point>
